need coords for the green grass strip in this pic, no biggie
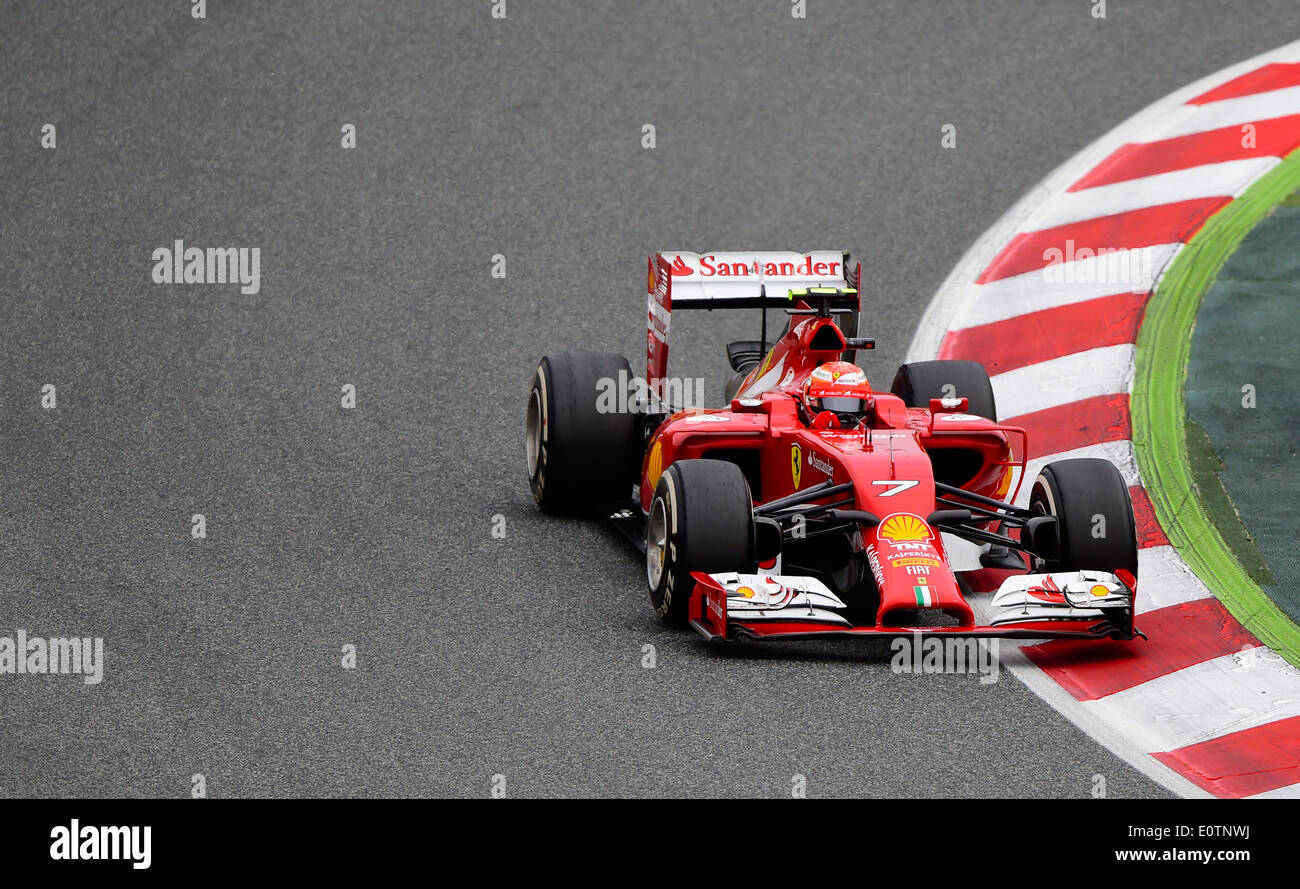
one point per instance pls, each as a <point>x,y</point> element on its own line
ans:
<point>1159,417</point>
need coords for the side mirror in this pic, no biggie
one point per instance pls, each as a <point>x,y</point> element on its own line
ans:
<point>949,405</point>
<point>1042,537</point>
<point>955,516</point>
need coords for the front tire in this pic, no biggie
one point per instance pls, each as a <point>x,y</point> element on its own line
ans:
<point>701,519</point>
<point>918,382</point>
<point>581,443</point>
<point>1094,515</point>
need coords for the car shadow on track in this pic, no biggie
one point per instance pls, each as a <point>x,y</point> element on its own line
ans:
<point>872,651</point>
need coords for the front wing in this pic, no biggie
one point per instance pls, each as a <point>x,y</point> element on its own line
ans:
<point>1063,605</point>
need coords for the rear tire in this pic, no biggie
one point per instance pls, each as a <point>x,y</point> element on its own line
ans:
<point>701,519</point>
<point>918,382</point>
<point>1094,515</point>
<point>733,385</point>
<point>582,455</point>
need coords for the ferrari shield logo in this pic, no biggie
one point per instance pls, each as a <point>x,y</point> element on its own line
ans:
<point>796,464</point>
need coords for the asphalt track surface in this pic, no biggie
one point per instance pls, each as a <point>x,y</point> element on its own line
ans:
<point>477,656</point>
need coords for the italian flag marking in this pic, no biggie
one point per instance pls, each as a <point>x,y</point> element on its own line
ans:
<point>923,598</point>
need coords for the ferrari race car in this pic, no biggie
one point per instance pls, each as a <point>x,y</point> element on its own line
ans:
<point>813,506</point>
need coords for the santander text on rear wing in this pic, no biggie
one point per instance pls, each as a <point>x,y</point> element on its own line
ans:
<point>737,280</point>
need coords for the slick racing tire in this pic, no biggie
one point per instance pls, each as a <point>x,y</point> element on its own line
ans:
<point>581,437</point>
<point>701,519</point>
<point>918,382</point>
<point>1094,515</point>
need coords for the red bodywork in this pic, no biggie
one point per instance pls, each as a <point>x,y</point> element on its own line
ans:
<point>890,462</point>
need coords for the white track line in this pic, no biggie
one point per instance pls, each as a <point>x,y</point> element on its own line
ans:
<point>1165,579</point>
<point>1227,179</point>
<point>1192,705</point>
<point>1234,112</point>
<point>1065,380</point>
<point>1062,284</point>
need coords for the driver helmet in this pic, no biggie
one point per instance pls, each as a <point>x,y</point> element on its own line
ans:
<point>842,389</point>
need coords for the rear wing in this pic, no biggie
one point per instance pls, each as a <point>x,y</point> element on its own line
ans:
<point>751,280</point>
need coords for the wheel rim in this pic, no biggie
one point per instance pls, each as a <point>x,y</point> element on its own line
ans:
<point>1047,501</point>
<point>656,543</point>
<point>534,434</point>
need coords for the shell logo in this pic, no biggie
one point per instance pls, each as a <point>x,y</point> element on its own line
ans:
<point>654,466</point>
<point>1099,590</point>
<point>745,591</point>
<point>1004,483</point>
<point>902,527</point>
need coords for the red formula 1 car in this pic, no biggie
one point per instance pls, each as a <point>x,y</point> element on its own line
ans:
<point>812,505</point>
